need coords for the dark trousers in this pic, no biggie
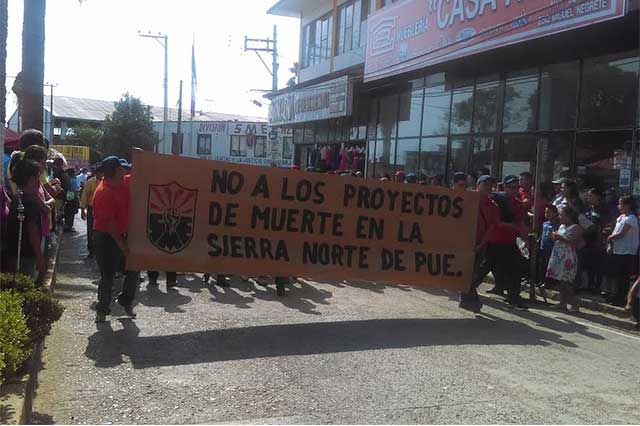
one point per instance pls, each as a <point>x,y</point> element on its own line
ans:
<point>171,276</point>
<point>110,259</point>
<point>70,210</point>
<point>505,262</point>
<point>620,269</point>
<point>480,271</point>
<point>90,230</point>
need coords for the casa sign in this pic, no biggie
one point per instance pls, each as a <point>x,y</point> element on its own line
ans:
<point>330,99</point>
<point>413,34</point>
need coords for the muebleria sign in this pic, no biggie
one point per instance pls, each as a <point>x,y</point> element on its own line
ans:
<point>416,33</point>
<point>325,100</point>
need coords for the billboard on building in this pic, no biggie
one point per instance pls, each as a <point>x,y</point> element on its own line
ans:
<point>416,33</point>
<point>243,143</point>
<point>329,99</point>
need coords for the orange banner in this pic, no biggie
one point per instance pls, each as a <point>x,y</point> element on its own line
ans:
<point>190,215</point>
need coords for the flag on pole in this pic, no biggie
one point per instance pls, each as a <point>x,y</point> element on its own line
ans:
<point>194,78</point>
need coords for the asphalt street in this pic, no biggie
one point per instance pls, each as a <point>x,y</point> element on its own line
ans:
<point>326,353</point>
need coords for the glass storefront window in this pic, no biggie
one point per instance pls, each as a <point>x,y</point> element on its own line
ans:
<point>433,157</point>
<point>298,134</point>
<point>388,117</point>
<point>482,155</point>
<point>519,154</point>
<point>309,134</point>
<point>485,110</point>
<point>559,96</point>
<point>322,132</point>
<point>603,160</point>
<point>437,101</point>
<point>410,113</point>
<point>609,91</point>
<point>373,119</point>
<point>371,157</point>
<point>384,157</point>
<point>459,157</point>
<point>461,108</point>
<point>408,155</point>
<point>556,156</point>
<point>520,102</point>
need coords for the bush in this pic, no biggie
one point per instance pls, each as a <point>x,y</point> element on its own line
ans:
<point>14,333</point>
<point>39,308</point>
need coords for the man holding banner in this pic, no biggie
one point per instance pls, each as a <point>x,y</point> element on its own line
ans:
<point>111,224</point>
<point>256,221</point>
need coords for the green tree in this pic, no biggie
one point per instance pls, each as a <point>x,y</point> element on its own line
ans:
<point>86,135</point>
<point>130,125</point>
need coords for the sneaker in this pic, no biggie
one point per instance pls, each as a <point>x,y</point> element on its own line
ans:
<point>128,309</point>
<point>518,305</point>
<point>574,310</point>
<point>100,318</point>
<point>171,284</point>
<point>222,281</point>
<point>474,307</point>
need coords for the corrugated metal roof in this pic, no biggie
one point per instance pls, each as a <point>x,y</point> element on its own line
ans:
<point>96,110</point>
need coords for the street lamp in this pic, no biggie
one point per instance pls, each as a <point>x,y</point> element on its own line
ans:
<point>163,40</point>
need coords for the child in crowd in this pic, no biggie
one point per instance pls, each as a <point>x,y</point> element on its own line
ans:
<point>563,264</point>
<point>551,224</point>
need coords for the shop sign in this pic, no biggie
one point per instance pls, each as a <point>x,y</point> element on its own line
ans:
<point>415,33</point>
<point>330,99</point>
<point>76,156</point>
<point>257,221</point>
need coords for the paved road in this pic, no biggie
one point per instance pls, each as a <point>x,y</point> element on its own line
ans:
<point>327,353</point>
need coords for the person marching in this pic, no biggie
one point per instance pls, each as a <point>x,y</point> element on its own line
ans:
<point>110,224</point>
<point>488,218</point>
<point>86,205</point>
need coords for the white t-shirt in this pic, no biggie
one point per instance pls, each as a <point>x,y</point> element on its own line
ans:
<point>629,243</point>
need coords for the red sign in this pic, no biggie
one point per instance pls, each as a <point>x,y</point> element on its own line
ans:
<point>415,33</point>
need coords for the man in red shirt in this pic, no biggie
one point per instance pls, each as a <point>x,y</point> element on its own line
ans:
<point>111,224</point>
<point>503,255</point>
<point>488,218</point>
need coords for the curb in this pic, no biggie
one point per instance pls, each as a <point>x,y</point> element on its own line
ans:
<point>587,303</point>
<point>22,393</point>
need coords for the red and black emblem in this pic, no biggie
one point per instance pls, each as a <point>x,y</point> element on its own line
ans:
<point>171,216</point>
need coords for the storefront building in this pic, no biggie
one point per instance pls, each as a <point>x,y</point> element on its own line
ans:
<point>482,85</point>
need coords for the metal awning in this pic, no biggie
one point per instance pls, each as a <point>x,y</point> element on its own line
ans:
<point>290,8</point>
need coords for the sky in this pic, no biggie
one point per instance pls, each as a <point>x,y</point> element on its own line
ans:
<point>93,50</point>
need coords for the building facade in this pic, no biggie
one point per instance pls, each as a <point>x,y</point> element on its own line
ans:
<point>475,85</point>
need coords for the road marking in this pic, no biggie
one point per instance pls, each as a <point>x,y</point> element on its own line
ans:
<point>629,336</point>
<point>586,324</point>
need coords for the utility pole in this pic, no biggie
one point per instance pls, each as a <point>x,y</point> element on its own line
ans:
<point>269,46</point>
<point>178,144</point>
<point>51,86</point>
<point>163,40</point>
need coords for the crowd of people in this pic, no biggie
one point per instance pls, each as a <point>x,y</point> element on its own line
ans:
<point>39,195</point>
<point>585,242</point>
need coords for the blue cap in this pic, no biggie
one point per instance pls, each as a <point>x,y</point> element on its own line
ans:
<point>485,178</point>
<point>124,163</point>
<point>509,179</point>
<point>111,162</point>
<point>411,178</point>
